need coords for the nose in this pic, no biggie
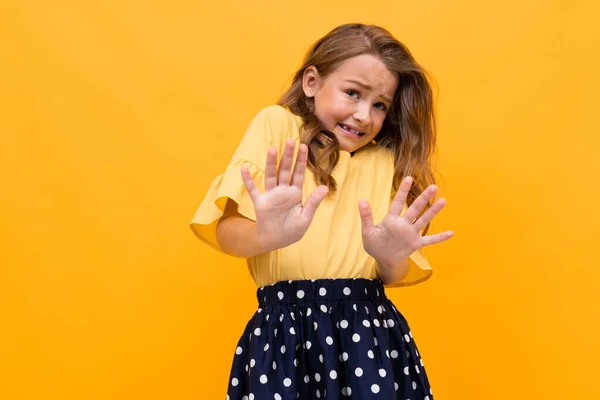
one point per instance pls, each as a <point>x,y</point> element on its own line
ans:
<point>362,114</point>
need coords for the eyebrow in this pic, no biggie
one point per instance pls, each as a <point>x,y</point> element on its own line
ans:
<point>368,87</point>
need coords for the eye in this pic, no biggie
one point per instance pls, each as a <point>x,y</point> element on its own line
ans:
<point>352,93</point>
<point>381,106</point>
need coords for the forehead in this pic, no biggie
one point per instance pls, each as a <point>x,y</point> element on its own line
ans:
<point>369,70</point>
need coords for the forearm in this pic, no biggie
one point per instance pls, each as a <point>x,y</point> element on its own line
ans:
<point>390,274</point>
<point>237,236</point>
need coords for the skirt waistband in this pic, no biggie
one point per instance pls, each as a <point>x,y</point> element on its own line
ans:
<point>321,291</point>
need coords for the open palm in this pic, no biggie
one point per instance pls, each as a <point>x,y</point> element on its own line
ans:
<point>281,217</point>
<point>398,236</point>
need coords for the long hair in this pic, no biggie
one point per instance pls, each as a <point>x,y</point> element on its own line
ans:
<point>409,129</point>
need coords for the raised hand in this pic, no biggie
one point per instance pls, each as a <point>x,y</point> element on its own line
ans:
<point>397,236</point>
<point>281,218</point>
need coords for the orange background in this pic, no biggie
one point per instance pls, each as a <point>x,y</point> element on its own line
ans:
<point>116,115</point>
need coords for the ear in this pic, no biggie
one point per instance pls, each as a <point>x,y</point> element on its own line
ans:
<point>310,81</point>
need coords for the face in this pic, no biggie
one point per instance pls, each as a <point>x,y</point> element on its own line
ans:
<point>353,100</point>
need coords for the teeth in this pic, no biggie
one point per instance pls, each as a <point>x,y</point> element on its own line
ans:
<point>351,130</point>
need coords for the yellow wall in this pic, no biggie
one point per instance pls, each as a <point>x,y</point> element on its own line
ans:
<point>116,115</point>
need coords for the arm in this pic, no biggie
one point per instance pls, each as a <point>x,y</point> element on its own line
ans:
<point>237,235</point>
<point>391,274</point>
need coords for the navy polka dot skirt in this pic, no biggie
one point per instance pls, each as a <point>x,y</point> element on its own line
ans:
<point>327,339</point>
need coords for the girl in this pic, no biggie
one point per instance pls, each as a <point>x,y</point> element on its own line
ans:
<point>360,111</point>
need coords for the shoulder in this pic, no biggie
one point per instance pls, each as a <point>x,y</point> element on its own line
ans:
<point>277,122</point>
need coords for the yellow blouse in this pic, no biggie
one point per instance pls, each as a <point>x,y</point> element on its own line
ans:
<point>332,247</point>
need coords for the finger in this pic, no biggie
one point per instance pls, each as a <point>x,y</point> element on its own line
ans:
<point>400,198</point>
<point>437,238</point>
<point>366,215</point>
<point>428,215</point>
<point>300,168</point>
<point>249,183</point>
<point>285,167</point>
<point>271,169</point>
<point>314,200</point>
<point>420,203</point>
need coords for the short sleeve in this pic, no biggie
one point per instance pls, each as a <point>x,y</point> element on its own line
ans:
<point>271,127</point>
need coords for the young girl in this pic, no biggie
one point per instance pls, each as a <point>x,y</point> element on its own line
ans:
<point>321,249</point>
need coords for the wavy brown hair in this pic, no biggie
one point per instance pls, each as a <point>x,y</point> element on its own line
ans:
<point>409,129</point>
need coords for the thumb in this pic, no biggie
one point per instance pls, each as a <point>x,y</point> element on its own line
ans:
<point>314,200</point>
<point>366,215</point>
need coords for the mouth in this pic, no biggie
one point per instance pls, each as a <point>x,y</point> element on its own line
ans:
<point>352,131</point>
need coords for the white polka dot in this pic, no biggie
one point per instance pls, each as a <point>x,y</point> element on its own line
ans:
<point>239,350</point>
<point>246,368</point>
<point>358,372</point>
<point>430,391</point>
<point>287,382</point>
<point>387,353</point>
<point>308,312</point>
<point>266,346</point>
<point>410,333</point>
<point>414,385</point>
<point>396,386</point>
<point>376,322</point>
<point>263,379</point>
<point>293,316</point>
<point>347,391</point>
<point>417,369</point>
<point>315,325</point>
<point>367,310</point>
<point>394,354</point>
<point>267,317</point>
<point>347,291</point>
<point>292,330</point>
<point>321,358</point>
<point>295,362</point>
<point>281,318</point>
<point>283,349</point>
<point>375,341</point>
<point>344,324</point>
<point>391,323</point>
<point>257,332</point>
<point>406,371</point>
<point>245,398</point>
<point>371,354</point>
<point>344,356</point>
<point>274,365</point>
<point>406,338</point>
<point>421,361</point>
<point>329,340</point>
<point>234,382</point>
<point>375,388</point>
<point>251,396</point>
<point>252,363</point>
<point>318,394</point>
<point>382,373</point>
<point>300,294</point>
<point>322,291</point>
<point>385,323</point>
<point>333,374</point>
<point>366,323</point>
<point>323,308</point>
<point>317,377</point>
<point>354,306</point>
<point>280,295</point>
<point>426,398</point>
<point>356,338</point>
<point>306,379</point>
<point>308,345</point>
<point>277,396</point>
<point>380,309</point>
